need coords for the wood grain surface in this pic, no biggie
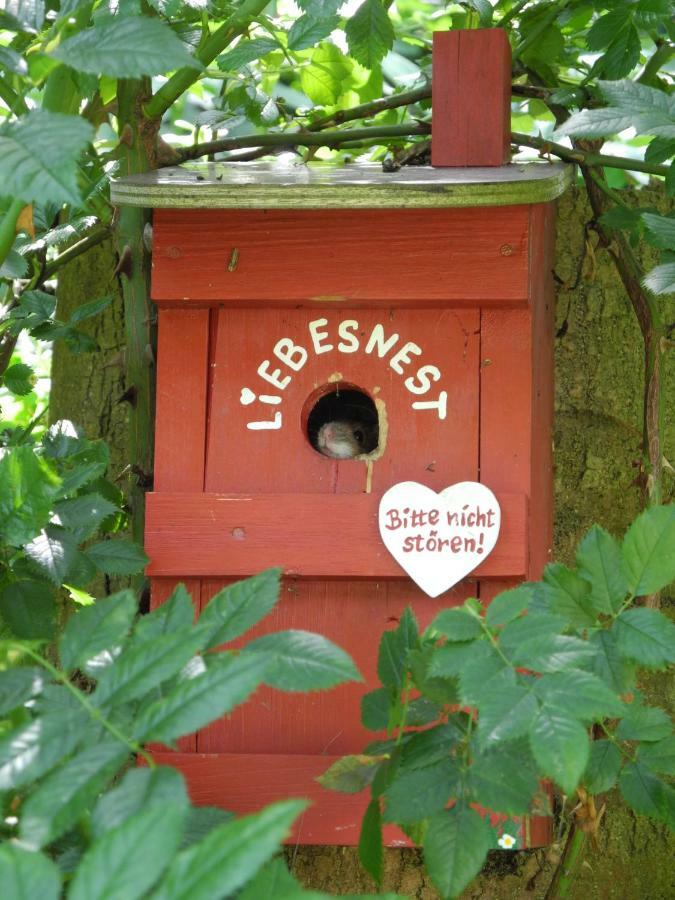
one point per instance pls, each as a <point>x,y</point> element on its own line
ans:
<point>368,257</point>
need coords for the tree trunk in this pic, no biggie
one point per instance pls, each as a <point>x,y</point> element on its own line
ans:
<point>599,395</point>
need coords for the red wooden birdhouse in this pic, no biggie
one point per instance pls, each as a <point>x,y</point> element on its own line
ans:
<point>416,305</point>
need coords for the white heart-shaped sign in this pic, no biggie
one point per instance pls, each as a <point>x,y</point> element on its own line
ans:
<point>439,538</point>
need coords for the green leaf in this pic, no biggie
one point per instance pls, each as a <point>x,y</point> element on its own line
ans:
<point>646,793</point>
<point>457,625</point>
<point>568,595</point>
<point>90,309</point>
<point>54,551</point>
<point>240,606</point>
<point>18,685</point>
<point>26,876</point>
<point>69,792</point>
<point>320,9</point>
<point>659,756</point>
<point>643,723</point>
<point>645,635</point>
<point>370,34</point>
<point>275,882</point>
<point>609,664</point>
<point>622,55</point>
<point>12,61</point>
<point>350,774</point>
<point>535,626</point>
<point>421,711</point>
<point>505,713</point>
<point>371,845</point>
<point>307,31</point>
<point>647,552</point>
<point>126,47</point>
<point>39,154</point>
<point>139,789</point>
<point>174,614</point>
<point>201,699</point>
<point>326,78</point>
<point>662,229</point>
<point>229,856</point>
<point>302,661</point>
<point>37,746</point>
<point>145,665</point>
<point>419,793</point>
<point>602,769</point>
<point>95,628</point>
<point>201,821</point>
<point>560,747</point>
<point>84,466</point>
<point>82,515</point>
<point>126,861</point>
<point>599,562</point>
<point>20,379</point>
<point>117,557</point>
<point>29,608</point>
<point>661,280</point>
<point>246,52</point>
<point>28,485</point>
<point>455,847</point>
<point>554,653</point>
<point>375,709</point>
<point>604,29</point>
<point>633,105</point>
<point>394,649</point>
<point>578,695</point>
<point>660,150</point>
<point>430,746</point>
<point>508,606</point>
<point>504,779</point>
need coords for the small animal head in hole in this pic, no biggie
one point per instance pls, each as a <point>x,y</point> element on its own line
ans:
<point>345,440</point>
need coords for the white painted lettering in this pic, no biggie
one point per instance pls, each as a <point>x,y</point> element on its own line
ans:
<point>274,378</point>
<point>424,375</point>
<point>376,339</point>
<point>293,355</point>
<point>351,341</point>
<point>441,405</point>
<point>318,336</point>
<point>402,358</point>
<point>274,425</point>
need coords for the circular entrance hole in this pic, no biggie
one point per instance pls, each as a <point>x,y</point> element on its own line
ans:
<point>342,422</point>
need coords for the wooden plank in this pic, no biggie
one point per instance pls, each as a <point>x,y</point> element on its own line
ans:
<point>182,367</point>
<point>277,185</point>
<point>244,783</point>
<point>415,444</point>
<point>284,258</point>
<point>352,614</point>
<point>542,249</point>
<point>310,535</point>
<point>471,98</point>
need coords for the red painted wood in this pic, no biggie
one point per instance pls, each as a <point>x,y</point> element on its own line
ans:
<point>286,258</point>
<point>180,433</point>
<point>311,535</point>
<point>542,249</point>
<point>353,615</point>
<point>419,446</point>
<point>332,818</point>
<point>471,101</point>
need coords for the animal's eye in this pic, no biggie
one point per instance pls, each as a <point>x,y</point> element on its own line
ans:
<point>358,434</point>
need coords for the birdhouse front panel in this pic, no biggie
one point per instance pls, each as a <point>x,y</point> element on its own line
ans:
<point>310,360</point>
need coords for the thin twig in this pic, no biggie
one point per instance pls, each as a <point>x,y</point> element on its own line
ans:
<point>95,237</point>
<point>582,157</point>
<point>303,139</point>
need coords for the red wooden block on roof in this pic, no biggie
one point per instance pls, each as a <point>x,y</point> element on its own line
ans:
<point>471,92</point>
